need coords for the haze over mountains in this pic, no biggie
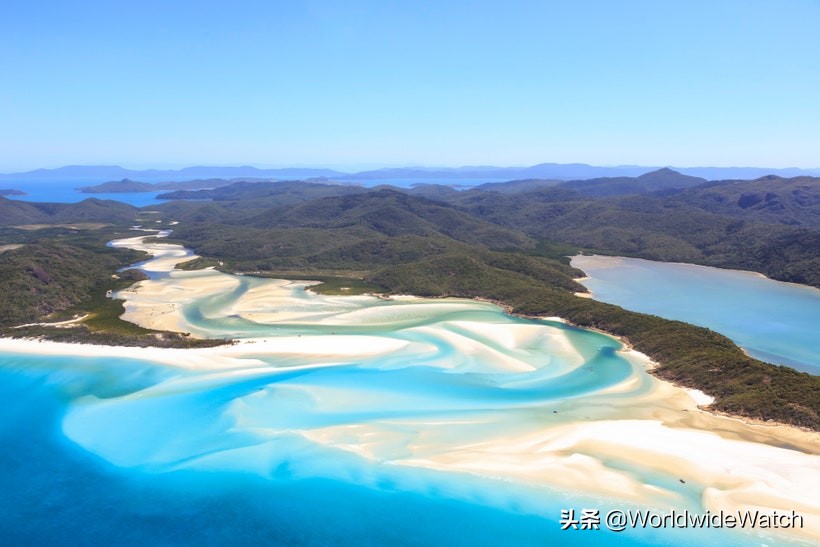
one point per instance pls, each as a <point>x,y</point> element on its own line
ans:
<point>556,171</point>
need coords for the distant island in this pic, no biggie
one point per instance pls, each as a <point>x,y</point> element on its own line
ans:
<point>128,186</point>
<point>543,171</point>
<point>118,187</point>
<point>11,192</point>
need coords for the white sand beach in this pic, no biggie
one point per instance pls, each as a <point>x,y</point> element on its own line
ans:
<point>612,442</point>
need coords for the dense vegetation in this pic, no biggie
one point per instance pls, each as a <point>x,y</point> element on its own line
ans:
<point>117,186</point>
<point>44,277</point>
<point>772,199</point>
<point>128,185</point>
<point>56,274</point>
<point>13,212</point>
<point>654,181</point>
<point>345,233</point>
<point>673,226</point>
<point>285,192</point>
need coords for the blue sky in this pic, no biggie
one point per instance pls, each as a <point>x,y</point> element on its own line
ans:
<point>359,84</point>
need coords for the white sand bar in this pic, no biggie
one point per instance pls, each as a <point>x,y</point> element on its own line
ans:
<point>435,385</point>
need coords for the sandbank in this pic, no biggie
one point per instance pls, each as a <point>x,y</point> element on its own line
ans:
<point>621,441</point>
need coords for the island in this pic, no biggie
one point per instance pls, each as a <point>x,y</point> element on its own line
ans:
<point>118,187</point>
<point>127,186</point>
<point>11,192</point>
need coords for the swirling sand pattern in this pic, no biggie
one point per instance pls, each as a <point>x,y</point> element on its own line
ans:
<point>423,394</point>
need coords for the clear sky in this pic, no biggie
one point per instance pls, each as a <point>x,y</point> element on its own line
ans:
<point>352,84</point>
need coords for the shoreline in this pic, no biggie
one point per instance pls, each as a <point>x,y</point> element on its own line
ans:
<point>167,256</point>
<point>662,432</point>
<point>751,273</point>
<point>644,421</point>
<point>701,399</point>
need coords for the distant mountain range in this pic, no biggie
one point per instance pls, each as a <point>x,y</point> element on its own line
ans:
<point>104,173</point>
<point>543,171</point>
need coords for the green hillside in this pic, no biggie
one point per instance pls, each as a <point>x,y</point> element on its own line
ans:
<point>654,181</point>
<point>667,228</point>
<point>13,212</point>
<point>772,199</point>
<point>46,277</point>
<point>284,192</point>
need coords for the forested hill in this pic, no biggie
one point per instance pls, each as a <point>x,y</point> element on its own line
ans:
<point>772,199</point>
<point>118,186</point>
<point>127,185</point>
<point>13,212</point>
<point>43,277</point>
<point>358,232</point>
<point>275,192</point>
<point>767,225</point>
<point>654,181</point>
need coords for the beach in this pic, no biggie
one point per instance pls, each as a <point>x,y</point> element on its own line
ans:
<point>445,386</point>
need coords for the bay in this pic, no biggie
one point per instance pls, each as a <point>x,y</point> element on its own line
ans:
<point>773,321</point>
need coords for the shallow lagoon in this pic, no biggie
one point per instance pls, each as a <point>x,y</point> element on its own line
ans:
<point>349,420</point>
<point>774,321</point>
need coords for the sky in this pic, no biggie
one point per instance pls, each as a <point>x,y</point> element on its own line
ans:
<point>360,84</point>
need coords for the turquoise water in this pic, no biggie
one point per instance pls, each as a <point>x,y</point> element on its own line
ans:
<point>774,321</point>
<point>54,493</point>
<point>338,421</point>
<point>57,493</point>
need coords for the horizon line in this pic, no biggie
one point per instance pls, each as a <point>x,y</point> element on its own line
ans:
<point>380,167</point>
